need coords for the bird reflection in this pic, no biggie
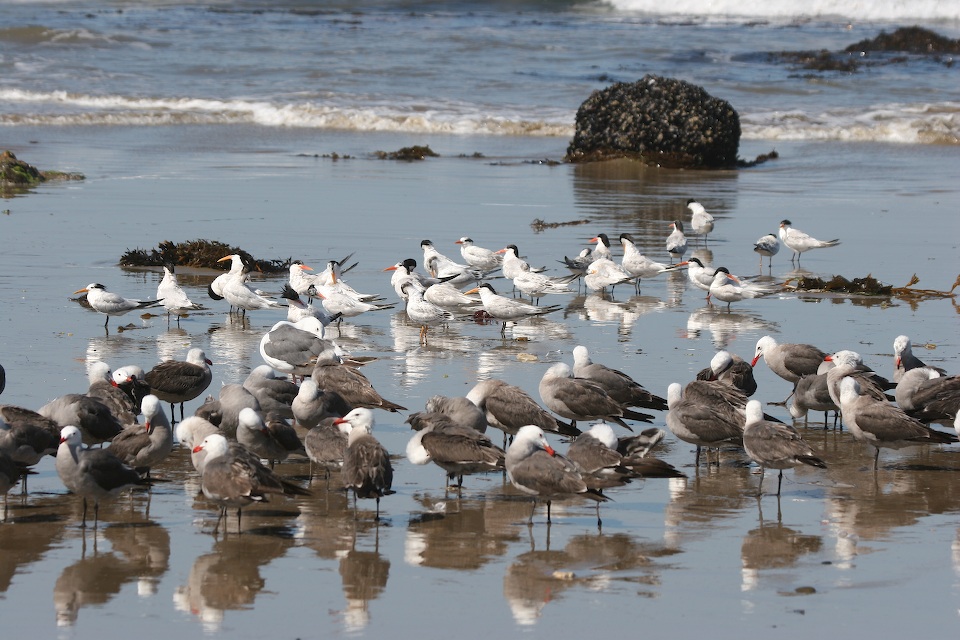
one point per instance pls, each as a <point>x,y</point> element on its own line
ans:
<point>700,503</point>
<point>595,562</point>
<point>442,343</point>
<point>26,540</point>
<point>772,546</point>
<point>141,551</point>
<point>725,326</point>
<point>364,575</point>
<point>171,344</point>
<point>233,341</point>
<point>228,578</point>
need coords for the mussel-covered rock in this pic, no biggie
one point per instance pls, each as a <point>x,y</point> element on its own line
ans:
<point>662,121</point>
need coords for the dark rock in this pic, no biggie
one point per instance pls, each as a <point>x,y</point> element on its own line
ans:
<point>17,174</point>
<point>908,39</point>
<point>416,152</point>
<point>661,121</point>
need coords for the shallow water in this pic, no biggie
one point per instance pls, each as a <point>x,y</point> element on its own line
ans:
<point>837,549</point>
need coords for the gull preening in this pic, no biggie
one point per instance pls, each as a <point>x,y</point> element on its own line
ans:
<point>798,241</point>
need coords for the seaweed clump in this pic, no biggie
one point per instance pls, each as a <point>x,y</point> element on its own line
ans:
<point>416,152</point>
<point>539,225</point>
<point>18,175</point>
<point>197,253</point>
<point>869,286</point>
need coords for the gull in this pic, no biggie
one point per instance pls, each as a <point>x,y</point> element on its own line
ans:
<point>789,361</point>
<point>191,432</point>
<point>508,407</point>
<point>26,439</point>
<point>904,360</point>
<point>143,447</point>
<point>331,374</point>
<point>91,416</point>
<point>706,414</point>
<point>701,222</point>
<point>129,379</point>
<point>536,469</point>
<point>775,445</point>
<point>92,473</point>
<point>457,449</point>
<point>798,241</point>
<point>312,404</point>
<point>604,272</point>
<point>729,288</point>
<point>579,399</point>
<point>638,265</point>
<point>366,464</point>
<point>730,369</point>
<point>460,410</point>
<point>600,464</point>
<point>274,393</point>
<point>112,304</point>
<point>676,242</point>
<point>325,445</point>
<point>507,309</point>
<point>105,388</point>
<point>180,380</point>
<point>812,392</point>
<point>273,442</point>
<point>768,245</point>
<point>848,363</point>
<point>618,385</point>
<point>882,425</point>
<point>293,347</point>
<point>423,313</point>
<point>929,396</point>
<point>233,399</point>
<point>172,295</point>
<point>10,474</point>
<point>233,477</point>
<point>478,257</point>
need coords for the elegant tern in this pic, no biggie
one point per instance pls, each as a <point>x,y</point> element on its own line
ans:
<point>507,309</point>
<point>112,304</point>
<point>676,242</point>
<point>478,257</point>
<point>172,295</point>
<point>424,313</point>
<point>639,265</point>
<point>729,288</point>
<point>798,241</point>
<point>700,221</point>
<point>768,245</point>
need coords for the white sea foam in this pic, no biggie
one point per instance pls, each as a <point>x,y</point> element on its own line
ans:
<point>936,123</point>
<point>860,10</point>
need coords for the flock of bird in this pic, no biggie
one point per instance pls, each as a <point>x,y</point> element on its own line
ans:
<point>309,383</point>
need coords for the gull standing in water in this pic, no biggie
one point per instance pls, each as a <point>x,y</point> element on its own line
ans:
<point>579,399</point>
<point>366,464</point>
<point>618,385</point>
<point>798,241</point>
<point>92,473</point>
<point>701,222</point>
<point>508,407</point>
<point>537,470</point>
<point>788,360</point>
<point>706,414</point>
<point>180,381</point>
<point>676,241</point>
<point>731,369</point>
<point>768,245</point>
<point>112,304</point>
<point>775,445</point>
<point>172,295</point>
<point>457,449</point>
<point>143,447</point>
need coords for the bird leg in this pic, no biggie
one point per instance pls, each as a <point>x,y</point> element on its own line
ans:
<point>548,512</point>
<point>779,482</point>
<point>239,531</point>
<point>760,486</point>
<point>376,518</point>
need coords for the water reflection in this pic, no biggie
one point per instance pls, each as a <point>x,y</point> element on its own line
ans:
<point>229,577</point>
<point>26,536</point>
<point>364,574</point>
<point>701,503</point>
<point>725,326</point>
<point>140,551</point>
<point>231,342</point>
<point>771,545</point>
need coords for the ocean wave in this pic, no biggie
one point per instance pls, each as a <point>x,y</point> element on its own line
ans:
<point>935,123</point>
<point>39,35</point>
<point>859,10</point>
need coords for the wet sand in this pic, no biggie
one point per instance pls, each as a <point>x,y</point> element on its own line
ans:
<point>838,550</point>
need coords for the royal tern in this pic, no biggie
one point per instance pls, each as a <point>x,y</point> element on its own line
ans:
<point>478,257</point>
<point>618,385</point>
<point>143,447</point>
<point>423,313</point>
<point>92,473</point>
<point>274,393</point>
<point>179,381</point>
<point>775,445</point>
<point>172,295</point>
<point>233,477</point>
<point>730,369</point>
<point>638,265</point>
<point>700,221</point>
<point>883,425</point>
<point>676,242</point>
<point>798,241</point>
<point>366,464</point>
<point>603,273</point>
<point>331,374</point>
<point>579,399</point>
<point>788,360</point>
<point>706,414</point>
<point>537,470</point>
<point>272,440</point>
<point>112,304</point>
<point>458,450</point>
<point>904,359</point>
<point>507,309</point>
<point>768,245</point>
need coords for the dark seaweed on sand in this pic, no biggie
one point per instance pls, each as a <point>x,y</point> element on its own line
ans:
<point>197,253</point>
<point>869,286</point>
